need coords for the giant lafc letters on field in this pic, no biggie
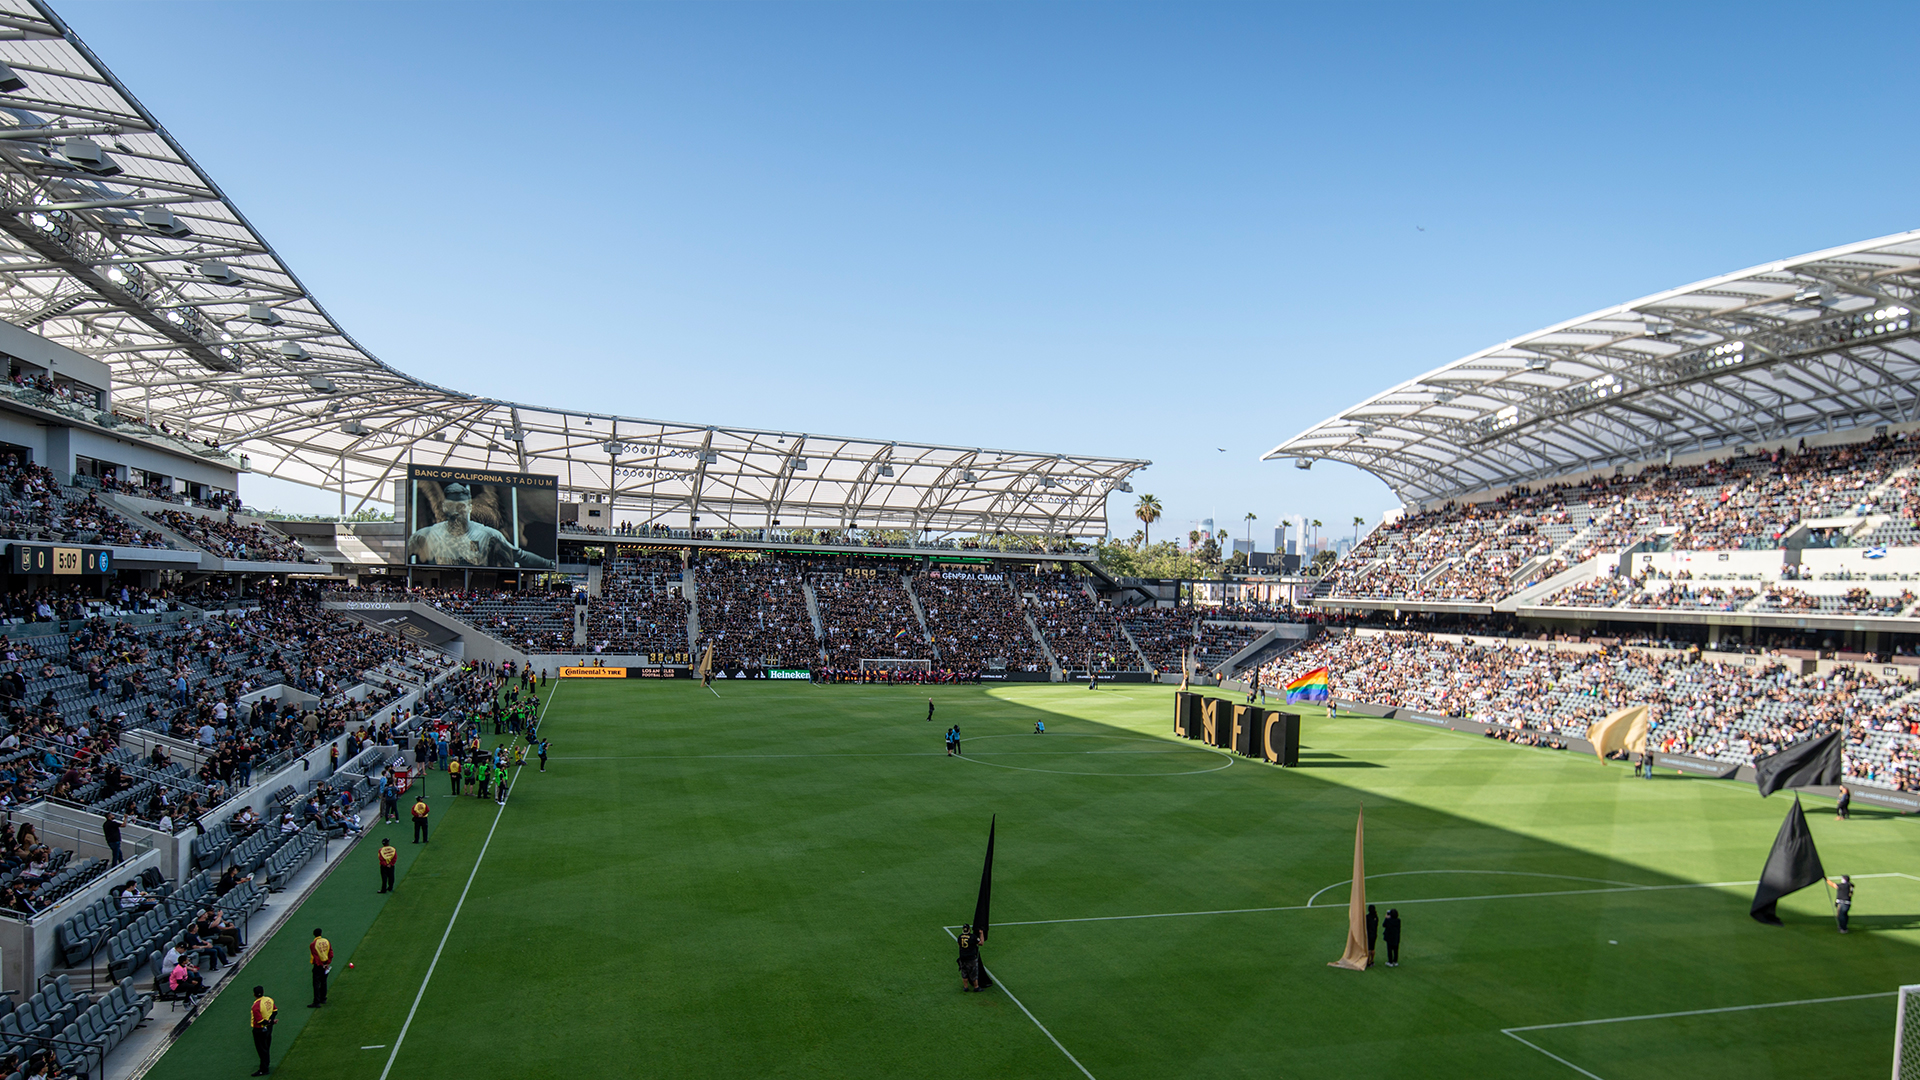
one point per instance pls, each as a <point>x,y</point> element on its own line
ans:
<point>1248,730</point>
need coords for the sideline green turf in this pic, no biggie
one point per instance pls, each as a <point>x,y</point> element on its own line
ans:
<point>755,884</point>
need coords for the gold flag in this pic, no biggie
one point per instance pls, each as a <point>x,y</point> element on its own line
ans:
<point>1186,669</point>
<point>1624,730</point>
<point>706,661</point>
<point>1356,958</point>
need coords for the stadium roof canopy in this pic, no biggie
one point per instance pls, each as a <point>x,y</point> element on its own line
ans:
<point>1823,342</point>
<point>114,243</point>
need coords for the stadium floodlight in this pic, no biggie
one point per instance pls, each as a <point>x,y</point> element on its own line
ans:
<point>293,350</point>
<point>1444,396</point>
<point>264,315</point>
<point>1816,296</point>
<point>1126,487</point>
<point>967,477</point>
<point>87,155</point>
<point>613,449</point>
<point>886,470</point>
<point>1659,328</point>
<point>10,81</point>
<point>355,428</point>
<point>799,464</point>
<point>516,435</point>
<point>162,221</point>
<point>1536,363</point>
<point>220,273</point>
<point>710,457</point>
<point>322,384</point>
<point>1301,463</point>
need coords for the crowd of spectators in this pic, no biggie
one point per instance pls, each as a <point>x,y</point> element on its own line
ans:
<point>868,615</point>
<point>231,538</point>
<point>1723,711</point>
<point>641,609</point>
<point>1082,632</point>
<point>977,624</point>
<point>1482,551</point>
<point>34,506</point>
<point>754,611</point>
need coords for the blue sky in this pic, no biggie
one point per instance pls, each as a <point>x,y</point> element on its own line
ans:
<point>1156,231</point>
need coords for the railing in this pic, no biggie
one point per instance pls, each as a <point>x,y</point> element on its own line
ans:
<point>828,538</point>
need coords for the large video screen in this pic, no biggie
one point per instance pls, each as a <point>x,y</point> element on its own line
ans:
<point>467,517</point>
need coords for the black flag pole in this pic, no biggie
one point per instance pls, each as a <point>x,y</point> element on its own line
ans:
<point>981,906</point>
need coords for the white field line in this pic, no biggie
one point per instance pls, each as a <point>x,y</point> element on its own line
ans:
<point>1511,1032</point>
<point>455,917</point>
<point>1036,1020</point>
<point>1422,900</point>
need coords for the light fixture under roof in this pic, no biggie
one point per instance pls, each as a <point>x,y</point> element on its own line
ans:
<point>1302,463</point>
<point>613,449</point>
<point>886,470</point>
<point>355,428</point>
<point>1536,363</point>
<point>87,155</point>
<point>322,383</point>
<point>293,350</point>
<point>162,221</point>
<point>799,464</point>
<point>10,81</point>
<point>264,315</point>
<point>220,273</point>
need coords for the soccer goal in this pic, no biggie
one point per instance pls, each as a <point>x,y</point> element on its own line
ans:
<point>890,663</point>
<point>1906,1035</point>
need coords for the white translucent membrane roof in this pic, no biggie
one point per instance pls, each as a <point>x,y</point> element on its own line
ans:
<point>114,243</point>
<point>1823,342</point>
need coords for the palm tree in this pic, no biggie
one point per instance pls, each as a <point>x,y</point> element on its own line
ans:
<point>1316,532</point>
<point>1148,511</point>
<point>1250,519</point>
<point>1357,522</point>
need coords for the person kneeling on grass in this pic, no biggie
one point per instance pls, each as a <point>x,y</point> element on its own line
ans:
<point>1039,727</point>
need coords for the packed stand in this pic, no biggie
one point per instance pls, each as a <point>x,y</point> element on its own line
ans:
<point>34,506</point>
<point>977,624</point>
<point>868,615</point>
<point>754,611</point>
<point>641,609</point>
<point>1082,632</point>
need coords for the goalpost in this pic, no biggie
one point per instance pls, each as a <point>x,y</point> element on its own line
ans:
<point>1906,1035</point>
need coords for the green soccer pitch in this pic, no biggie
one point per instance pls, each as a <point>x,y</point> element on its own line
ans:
<point>759,884</point>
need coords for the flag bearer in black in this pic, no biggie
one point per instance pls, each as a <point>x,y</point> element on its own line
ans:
<point>1842,899</point>
<point>1391,930</point>
<point>973,974</point>
<point>1373,932</point>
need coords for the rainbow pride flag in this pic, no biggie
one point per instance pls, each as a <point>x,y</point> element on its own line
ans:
<point>1309,687</point>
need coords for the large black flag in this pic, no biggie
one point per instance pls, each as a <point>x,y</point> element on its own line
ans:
<point>1792,865</point>
<point>981,906</point>
<point>1815,761</point>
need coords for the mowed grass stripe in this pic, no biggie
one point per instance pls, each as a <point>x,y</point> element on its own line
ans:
<point>658,905</point>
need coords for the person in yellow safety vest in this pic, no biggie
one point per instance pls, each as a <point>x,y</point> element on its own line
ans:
<point>321,953</point>
<point>388,857</point>
<point>262,1017</point>
<point>420,820</point>
<point>453,773</point>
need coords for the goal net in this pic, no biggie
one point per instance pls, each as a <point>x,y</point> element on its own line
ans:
<point>888,663</point>
<point>1906,1035</point>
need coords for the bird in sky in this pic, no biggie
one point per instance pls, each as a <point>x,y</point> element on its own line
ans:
<point>1422,228</point>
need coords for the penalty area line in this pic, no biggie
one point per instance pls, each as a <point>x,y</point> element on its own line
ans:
<point>1029,1012</point>
<point>455,917</point>
<point>1512,1032</point>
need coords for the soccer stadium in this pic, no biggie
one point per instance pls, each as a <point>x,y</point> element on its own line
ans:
<point>611,752</point>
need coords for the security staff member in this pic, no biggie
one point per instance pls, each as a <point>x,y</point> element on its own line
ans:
<point>388,856</point>
<point>420,819</point>
<point>453,774</point>
<point>263,1015</point>
<point>321,953</point>
<point>1391,930</point>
